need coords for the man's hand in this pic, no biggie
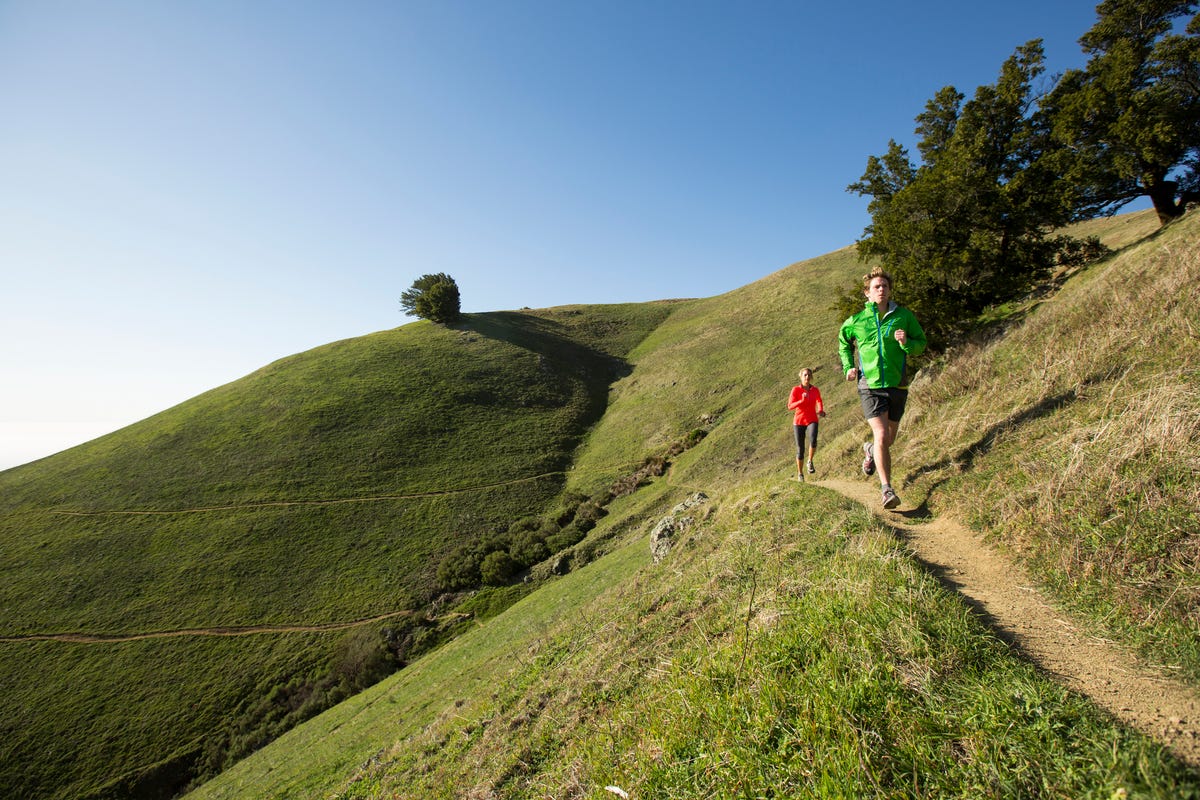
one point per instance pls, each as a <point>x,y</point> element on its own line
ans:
<point>901,336</point>
<point>851,374</point>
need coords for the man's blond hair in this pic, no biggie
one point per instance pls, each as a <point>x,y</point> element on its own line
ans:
<point>877,272</point>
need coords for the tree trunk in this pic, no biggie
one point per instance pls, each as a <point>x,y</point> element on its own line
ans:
<point>1162,195</point>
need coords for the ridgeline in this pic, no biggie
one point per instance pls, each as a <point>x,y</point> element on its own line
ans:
<point>788,644</point>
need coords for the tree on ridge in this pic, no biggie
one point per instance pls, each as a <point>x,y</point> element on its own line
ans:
<point>434,297</point>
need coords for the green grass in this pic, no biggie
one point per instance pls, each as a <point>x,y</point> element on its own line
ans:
<point>788,647</point>
<point>324,488</point>
<point>1072,441</point>
<point>822,661</point>
<point>452,682</point>
<point>727,363</point>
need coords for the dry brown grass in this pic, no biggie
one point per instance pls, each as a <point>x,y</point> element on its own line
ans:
<point>1075,437</point>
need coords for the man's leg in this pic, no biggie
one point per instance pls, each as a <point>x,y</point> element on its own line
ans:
<point>883,451</point>
<point>880,430</point>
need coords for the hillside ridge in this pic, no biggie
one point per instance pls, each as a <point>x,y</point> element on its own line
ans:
<point>770,636</point>
<point>313,503</point>
<point>276,540</point>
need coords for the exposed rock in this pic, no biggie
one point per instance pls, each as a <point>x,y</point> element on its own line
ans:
<point>665,532</point>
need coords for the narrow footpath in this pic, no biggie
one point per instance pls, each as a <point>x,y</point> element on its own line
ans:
<point>1002,592</point>
<point>247,630</point>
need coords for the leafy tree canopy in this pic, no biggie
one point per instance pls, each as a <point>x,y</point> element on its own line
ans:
<point>968,226</point>
<point>434,297</point>
<point>1129,124</point>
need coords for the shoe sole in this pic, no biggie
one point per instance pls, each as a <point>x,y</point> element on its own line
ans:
<point>891,502</point>
<point>868,465</point>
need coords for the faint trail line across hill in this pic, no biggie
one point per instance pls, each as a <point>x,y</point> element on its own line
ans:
<point>328,502</point>
<point>285,503</point>
<point>1000,590</point>
<point>249,630</point>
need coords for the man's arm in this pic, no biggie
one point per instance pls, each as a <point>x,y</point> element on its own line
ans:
<point>846,347</point>
<point>914,343</point>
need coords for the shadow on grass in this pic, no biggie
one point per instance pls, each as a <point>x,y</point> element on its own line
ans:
<point>560,354</point>
<point>965,458</point>
<point>945,576</point>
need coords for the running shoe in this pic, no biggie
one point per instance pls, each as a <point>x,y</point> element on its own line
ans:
<point>890,500</point>
<point>868,465</point>
<point>811,468</point>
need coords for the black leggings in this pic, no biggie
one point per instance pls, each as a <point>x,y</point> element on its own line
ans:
<point>805,433</point>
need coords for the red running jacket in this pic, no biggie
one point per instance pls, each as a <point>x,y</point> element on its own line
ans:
<point>807,404</point>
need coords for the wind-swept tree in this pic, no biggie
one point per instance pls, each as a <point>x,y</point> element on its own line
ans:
<point>968,227</point>
<point>1129,123</point>
<point>434,297</point>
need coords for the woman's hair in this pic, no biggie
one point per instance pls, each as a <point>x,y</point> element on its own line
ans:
<point>877,272</point>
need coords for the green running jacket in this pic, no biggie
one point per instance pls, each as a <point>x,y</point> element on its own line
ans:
<point>881,361</point>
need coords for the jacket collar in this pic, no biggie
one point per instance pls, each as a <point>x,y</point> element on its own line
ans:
<point>891,306</point>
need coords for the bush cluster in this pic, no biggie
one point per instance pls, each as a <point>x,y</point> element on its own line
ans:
<point>496,559</point>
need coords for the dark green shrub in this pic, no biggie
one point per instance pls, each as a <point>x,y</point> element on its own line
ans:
<point>363,658</point>
<point>433,297</point>
<point>590,512</point>
<point>460,569</point>
<point>525,524</point>
<point>602,497</point>
<point>497,568</point>
<point>528,548</point>
<point>568,536</point>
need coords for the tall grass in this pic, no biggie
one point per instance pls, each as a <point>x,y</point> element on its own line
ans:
<point>1075,440</point>
<point>787,648</point>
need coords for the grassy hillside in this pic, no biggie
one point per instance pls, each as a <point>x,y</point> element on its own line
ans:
<point>1074,440</point>
<point>728,363</point>
<point>321,490</point>
<point>787,646</point>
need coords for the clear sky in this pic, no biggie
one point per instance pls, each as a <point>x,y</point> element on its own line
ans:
<point>192,189</point>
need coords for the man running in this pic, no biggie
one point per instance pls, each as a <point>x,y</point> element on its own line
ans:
<point>884,336</point>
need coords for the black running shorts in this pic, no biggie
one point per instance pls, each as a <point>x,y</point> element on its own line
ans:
<point>880,402</point>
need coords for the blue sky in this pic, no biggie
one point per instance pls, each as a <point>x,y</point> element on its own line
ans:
<point>191,190</point>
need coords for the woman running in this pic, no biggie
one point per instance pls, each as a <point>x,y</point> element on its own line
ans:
<point>805,400</point>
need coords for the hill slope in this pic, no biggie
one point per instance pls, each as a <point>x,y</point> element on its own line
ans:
<point>788,645</point>
<point>321,490</point>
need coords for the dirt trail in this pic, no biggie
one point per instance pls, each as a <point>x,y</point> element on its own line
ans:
<point>1001,590</point>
